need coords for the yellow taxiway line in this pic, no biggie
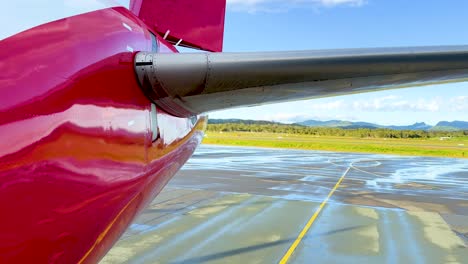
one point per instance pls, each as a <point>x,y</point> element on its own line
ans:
<point>306,228</point>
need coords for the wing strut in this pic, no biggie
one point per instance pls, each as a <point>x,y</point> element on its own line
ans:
<point>191,83</point>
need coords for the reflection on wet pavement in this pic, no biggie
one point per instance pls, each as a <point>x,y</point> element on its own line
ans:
<point>235,204</point>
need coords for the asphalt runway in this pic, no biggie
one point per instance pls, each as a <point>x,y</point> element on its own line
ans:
<point>251,205</point>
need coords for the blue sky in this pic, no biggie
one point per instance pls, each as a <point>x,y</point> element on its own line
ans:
<point>264,25</point>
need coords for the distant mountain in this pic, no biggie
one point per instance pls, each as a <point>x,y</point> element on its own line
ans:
<point>415,126</point>
<point>353,125</point>
<point>241,121</point>
<point>441,126</point>
<point>330,123</point>
<point>451,126</point>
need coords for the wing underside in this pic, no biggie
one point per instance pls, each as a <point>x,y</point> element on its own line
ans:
<point>192,83</point>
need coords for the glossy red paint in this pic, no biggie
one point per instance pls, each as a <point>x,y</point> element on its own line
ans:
<point>76,158</point>
<point>198,24</point>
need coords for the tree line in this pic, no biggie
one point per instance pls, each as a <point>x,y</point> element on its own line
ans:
<point>332,131</point>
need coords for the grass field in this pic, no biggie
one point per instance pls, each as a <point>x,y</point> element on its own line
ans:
<point>453,147</point>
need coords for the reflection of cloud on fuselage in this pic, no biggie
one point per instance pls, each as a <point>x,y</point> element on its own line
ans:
<point>112,121</point>
<point>34,13</point>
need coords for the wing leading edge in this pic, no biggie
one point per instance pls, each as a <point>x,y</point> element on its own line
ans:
<point>192,83</point>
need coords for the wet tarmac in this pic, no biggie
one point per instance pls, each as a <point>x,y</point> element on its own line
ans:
<point>249,205</point>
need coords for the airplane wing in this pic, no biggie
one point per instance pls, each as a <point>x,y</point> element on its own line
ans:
<point>185,84</point>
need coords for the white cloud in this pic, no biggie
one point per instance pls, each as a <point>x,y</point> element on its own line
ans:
<point>300,111</point>
<point>289,118</point>
<point>327,106</point>
<point>340,2</point>
<point>346,109</point>
<point>282,5</point>
<point>394,103</point>
<point>459,103</point>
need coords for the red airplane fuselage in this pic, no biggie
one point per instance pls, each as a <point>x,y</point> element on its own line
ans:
<point>83,149</point>
<point>77,158</point>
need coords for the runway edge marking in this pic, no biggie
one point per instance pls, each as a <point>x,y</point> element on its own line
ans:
<point>306,228</point>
